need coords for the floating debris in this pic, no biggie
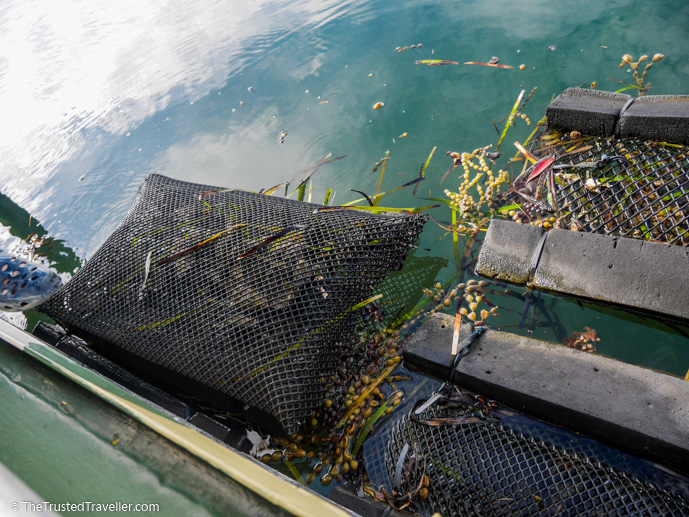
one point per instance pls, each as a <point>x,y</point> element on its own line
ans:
<point>455,156</point>
<point>494,65</point>
<point>283,134</point>
<point>382,161</point>
<point>436,62</point>
<point>521,116</point>
<point>584,341</point>
<point>323,102</point>
<point>402,49</point>
<point>378,105</point>
<point>593,85</point>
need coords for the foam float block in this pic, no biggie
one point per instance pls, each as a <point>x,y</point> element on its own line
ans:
<point>507,251</point>
<point>635,409</point>
<point>660,118</point>
<point>643,275</point>
<point>591,112</point>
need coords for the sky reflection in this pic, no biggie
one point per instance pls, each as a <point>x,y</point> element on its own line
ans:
<point>75,75</point>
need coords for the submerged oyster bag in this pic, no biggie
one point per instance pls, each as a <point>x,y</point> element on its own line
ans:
<point>484,467</point>
<point>234,294</point>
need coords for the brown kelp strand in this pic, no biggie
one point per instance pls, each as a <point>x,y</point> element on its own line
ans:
<point>402,49</point>
<point>528,98</point>
<point>494,65</point>
<point>628,59</point>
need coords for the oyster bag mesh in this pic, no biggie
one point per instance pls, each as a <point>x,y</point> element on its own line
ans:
<point>257,319</point>
<point>486,468</point>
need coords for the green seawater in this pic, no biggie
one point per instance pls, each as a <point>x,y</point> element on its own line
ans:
<point>95,97</point>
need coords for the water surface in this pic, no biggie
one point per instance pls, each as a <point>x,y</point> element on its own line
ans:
<point>96,95</point>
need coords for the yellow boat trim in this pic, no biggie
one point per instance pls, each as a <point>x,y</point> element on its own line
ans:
<point>268,484</point>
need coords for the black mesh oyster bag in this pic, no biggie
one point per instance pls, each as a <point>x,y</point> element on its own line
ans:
<point>233,296</point>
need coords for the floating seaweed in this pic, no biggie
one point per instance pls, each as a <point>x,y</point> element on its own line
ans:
<point>436,62</point>
<point>363,194</point>
<point>379,195</point>
<point>301,188</point>
<point>377,209</point>
<point>462,200</point>
<point>422,172</point>
<point>494,65</point>
<point>634,65</point>
<point>269,191</point>
<point>402,49</point>
<point>510,118</point>
<point>584,341</point>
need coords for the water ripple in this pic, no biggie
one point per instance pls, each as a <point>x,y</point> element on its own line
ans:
<point>77,77</point>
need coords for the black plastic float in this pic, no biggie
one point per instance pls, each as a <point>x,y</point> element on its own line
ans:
<point>660,118</point>
<point>644,275</point>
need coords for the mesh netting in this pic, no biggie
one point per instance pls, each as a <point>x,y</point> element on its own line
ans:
<point>403,289</point>
<point>484,468</point>
<point>246,294</point>
<point>644,194</point>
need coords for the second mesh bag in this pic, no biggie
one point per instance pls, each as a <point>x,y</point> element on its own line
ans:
<point>233,293</point>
